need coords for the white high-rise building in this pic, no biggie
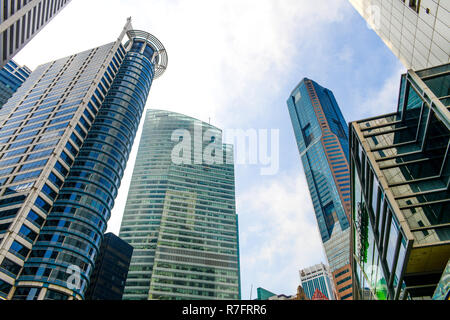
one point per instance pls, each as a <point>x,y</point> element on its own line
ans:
<point>21,20</point>
<point>416,31</point>
<point>318,277</point>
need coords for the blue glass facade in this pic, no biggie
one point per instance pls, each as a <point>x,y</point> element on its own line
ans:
<point>12,76</point>
<point>322,139</point>
<point>90,131</point>
<point>78,218</point>
<point>316,283</point>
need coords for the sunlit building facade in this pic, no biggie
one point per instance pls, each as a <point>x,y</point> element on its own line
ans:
<point>322,139</point>
<point>400,171</point>
<point>21,20</point>
<point>416,31</point>
<point>65,138</point>
<point>180,214</point>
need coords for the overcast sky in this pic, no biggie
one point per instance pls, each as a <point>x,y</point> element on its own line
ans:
<point>236,62</point>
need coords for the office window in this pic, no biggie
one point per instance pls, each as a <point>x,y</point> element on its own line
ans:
<point>19,249</point>
<point>10,267</point>
<point>415,5</point>
<point>27,233</point>
<point>35,218</point>
<point>308,136</point>
<point>341,132</point>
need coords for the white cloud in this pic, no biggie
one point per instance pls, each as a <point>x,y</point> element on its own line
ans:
<point>224,55</point>
<point>227,58</point>
<point>281,234</point>
<point>346,55</point>
<point>381,101</point>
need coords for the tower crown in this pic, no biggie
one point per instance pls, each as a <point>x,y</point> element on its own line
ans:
<point>158,52</point>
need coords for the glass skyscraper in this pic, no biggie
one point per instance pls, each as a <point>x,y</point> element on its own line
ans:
<point>12,76</point>
<point>400,171</point>
<point>21,20</point>
<point>322,139</point>
<point>180,214</point>
<point>65,138</point>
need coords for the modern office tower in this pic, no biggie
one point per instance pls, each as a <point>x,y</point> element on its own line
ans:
<point>180,214</point>
<point>111,269</point>
<point>21,20</point>
<point>65,141</point>
<point>322,139</point>
<point>400,171</point>
<point>317,277</point>
<point>416,31</point>
<point>12,76</point>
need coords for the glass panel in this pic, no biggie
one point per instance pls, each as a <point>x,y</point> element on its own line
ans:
<point>375,188</point>
<point>392,242</point>
<point>400,261</point>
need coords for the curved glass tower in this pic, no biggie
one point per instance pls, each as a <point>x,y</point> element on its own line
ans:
<point>77,198</point>
<point>180,214</point>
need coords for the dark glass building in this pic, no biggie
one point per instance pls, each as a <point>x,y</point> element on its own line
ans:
<point>65,138</point>
<point>322,139</point>
<point>111,269</point>
<point>400,171</point>
<point>12,76</point>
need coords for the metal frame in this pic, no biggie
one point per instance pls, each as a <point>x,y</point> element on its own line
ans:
<point>160,58</point>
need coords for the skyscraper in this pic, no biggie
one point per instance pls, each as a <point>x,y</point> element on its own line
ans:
<point>317,277</point>
<point>416,31</point>
<point>12,76</point>
<point>400,171</point>
<point>65,139</point>
<point>21,20</point>
<point>111,269</point>
<point>322,139</point>
<point>180,214</point>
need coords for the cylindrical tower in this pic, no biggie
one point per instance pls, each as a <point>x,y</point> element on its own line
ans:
<point>63,256</point>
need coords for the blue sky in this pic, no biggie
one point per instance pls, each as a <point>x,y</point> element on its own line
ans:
<point>236,62</point>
